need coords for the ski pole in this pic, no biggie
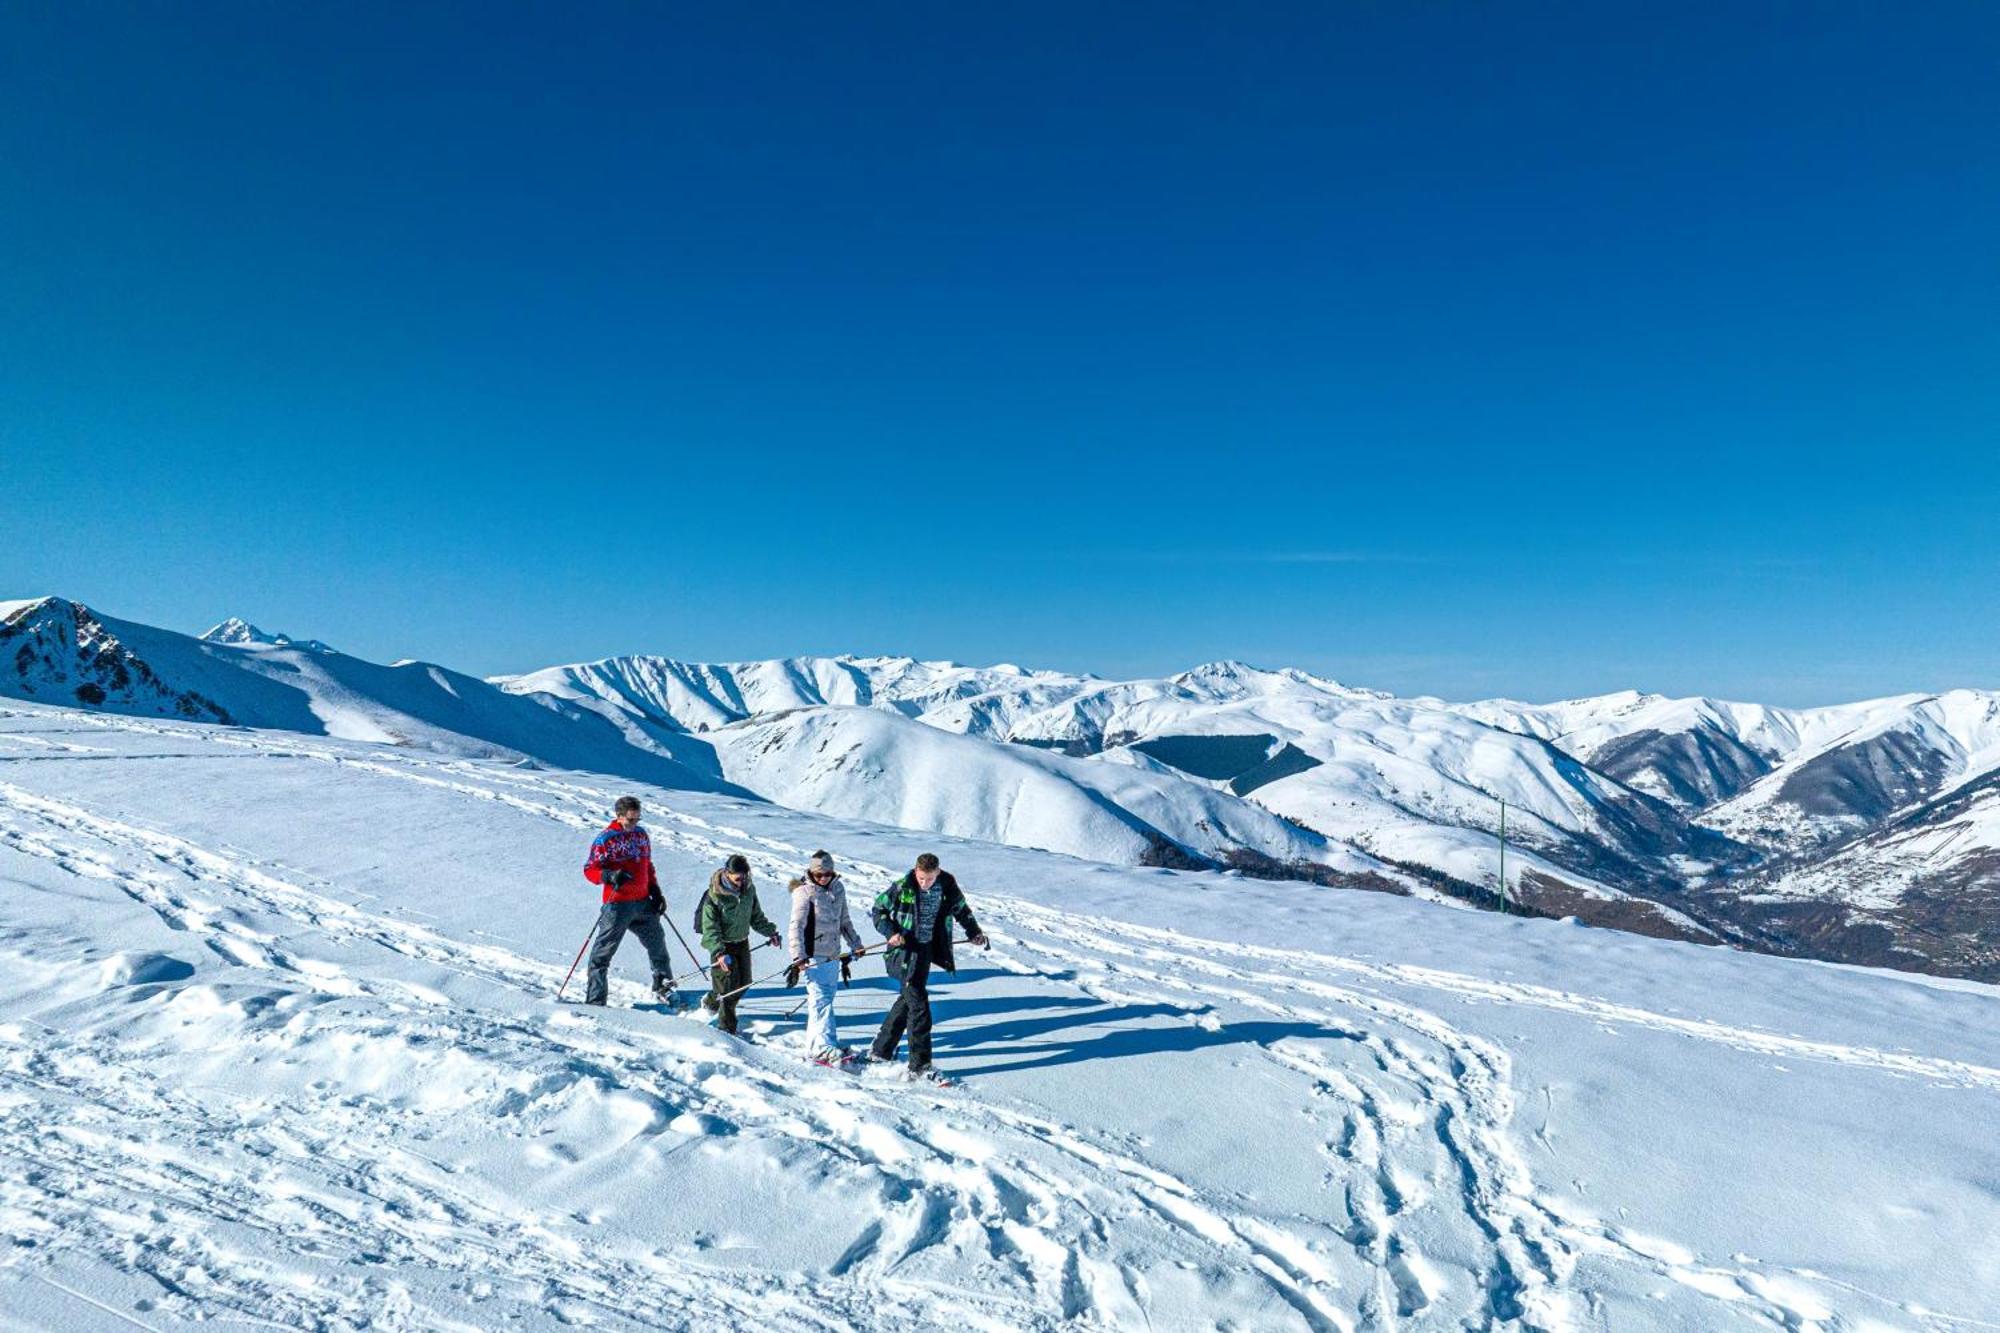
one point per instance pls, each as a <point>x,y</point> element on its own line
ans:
<point>692,958</point>
<point>579,958</point>
<point>705,972</point>
<point>746,985</point>
<point>678,977</point>
<point>843,958</point>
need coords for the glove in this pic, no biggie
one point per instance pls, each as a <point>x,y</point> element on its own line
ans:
<point>613,878</point>
<point>721,961</point>
<point>656,902</point>
<point>775,942</point>
<point>791,976</point>
<point>846,970</point>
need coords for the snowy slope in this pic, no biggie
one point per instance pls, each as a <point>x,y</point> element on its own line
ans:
<point>864,763</point>
<point>1408,780</point>
<point>1692,752</point>
<point>258,1066</point>
<point>1867,763</point>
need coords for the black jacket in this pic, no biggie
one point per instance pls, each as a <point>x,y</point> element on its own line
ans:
<point>895,913</point>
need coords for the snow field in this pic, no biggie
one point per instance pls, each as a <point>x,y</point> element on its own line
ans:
<point>277,1045</point>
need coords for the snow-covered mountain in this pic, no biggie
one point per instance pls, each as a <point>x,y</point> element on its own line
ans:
<point>1920,890</point>
<point>1402,783</point>
<point>62,652</point>
<point>846,736</point>
<point>699,696</point>
<point>1871,818</point>
<point>1772,775</point>
<point>1692,752</point>
<point>279,1048</point>
<point>1691,818</point>
<point>878,765</point>
<point>1672,816</point>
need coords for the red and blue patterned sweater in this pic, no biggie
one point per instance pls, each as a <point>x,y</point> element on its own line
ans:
<point>629,850</point>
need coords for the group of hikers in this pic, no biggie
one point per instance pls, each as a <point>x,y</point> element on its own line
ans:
<point>914,915</point>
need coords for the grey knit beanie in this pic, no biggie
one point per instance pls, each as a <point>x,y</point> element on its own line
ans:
<point>820,864</point>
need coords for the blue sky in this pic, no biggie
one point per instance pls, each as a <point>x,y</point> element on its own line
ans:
<point>1525,349</point>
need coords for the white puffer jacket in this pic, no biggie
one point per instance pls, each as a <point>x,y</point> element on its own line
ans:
<point>826,904</point>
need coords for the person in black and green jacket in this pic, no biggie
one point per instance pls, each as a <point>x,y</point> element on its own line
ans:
<point>729,911</point>
<point>915,914</point>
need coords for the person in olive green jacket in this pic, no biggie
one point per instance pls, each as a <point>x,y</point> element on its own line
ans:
<point>915,914</point>
<point>729,911</point>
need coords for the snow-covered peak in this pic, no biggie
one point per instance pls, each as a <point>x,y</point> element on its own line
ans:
<point>1227,674</point>
<point>237,632</point>
<point>1230,679</point>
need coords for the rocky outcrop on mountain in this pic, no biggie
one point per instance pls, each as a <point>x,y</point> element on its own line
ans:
<point>60,652</point>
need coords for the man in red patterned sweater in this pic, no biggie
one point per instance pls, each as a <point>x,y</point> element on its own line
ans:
<point>621,859</point>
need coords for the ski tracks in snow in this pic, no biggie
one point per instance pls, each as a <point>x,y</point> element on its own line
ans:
<point>1008,1204</point>
<point>1421,1131</point>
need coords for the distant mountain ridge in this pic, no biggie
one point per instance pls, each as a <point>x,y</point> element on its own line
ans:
<point>1867,832</point>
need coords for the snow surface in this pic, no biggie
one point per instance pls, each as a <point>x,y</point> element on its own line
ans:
<point>278,1047</point>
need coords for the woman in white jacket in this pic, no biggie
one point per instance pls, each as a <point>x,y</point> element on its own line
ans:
<point>820,925</point>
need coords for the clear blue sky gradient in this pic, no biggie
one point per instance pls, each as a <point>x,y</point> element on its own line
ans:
<point>1467,349</point>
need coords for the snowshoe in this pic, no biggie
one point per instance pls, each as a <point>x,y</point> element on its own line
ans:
<point>932,1075</point>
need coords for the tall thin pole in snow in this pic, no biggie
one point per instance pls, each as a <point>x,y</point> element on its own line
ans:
<point>1504,899</point>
